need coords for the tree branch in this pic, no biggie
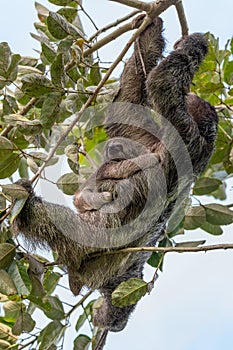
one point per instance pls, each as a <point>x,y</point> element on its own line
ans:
<point>108,38</point>
<point>153,8</point>
<point>79,303</point>
<point>182,18</point>
<point>168,249</point>
<point>140,5</point>
<point>114,24</point>
<point>144,24</point>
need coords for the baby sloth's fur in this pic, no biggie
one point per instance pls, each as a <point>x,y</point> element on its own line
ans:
<point>129,200</point>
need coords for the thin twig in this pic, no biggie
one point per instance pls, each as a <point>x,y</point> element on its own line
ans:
<point>79,303</point>
<point>88,16</point>
<point>114,24</point>
<point>165,250</point>
<point>27,344</point>
<point>151,284</point>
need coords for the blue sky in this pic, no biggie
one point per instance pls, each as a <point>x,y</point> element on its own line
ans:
<point>191,306</point>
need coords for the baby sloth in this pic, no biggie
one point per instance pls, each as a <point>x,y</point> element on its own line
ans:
<point>149,166</point>
<point>89,196</point>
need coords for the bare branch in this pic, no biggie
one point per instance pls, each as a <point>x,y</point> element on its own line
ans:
<point>168,249</point>
<point>114,24</point>
<point>153,8</point>
<point>80,302</point>
<point>109,38</point>
<point>182,18</point>
<point>144,24</point>
<point>140,5</point>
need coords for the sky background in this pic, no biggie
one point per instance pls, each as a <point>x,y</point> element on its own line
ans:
<point>191,306</point>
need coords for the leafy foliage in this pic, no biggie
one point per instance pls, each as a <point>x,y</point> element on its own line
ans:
<point>38,99</point>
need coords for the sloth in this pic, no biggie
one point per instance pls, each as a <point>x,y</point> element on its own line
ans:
<point>115,150</point>
<point>130,198</point>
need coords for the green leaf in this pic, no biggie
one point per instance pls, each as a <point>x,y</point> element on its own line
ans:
<point>18,272</point>
<point>50,335</point>
<point>195,217</point>
<point>155,260</point>
<point>229,101</point>
<point>220,193</point>
<point>58,25</point>
<point>74,166</point>
<point>190,244</point>
<point>12,310</point>
<point>15,191</point>
<point>7,286</point>
<point>71,151</point>
<point>23,169</point>
<point>9,105</point>
<point>7,254</point>
<point>95,75</point>
<point>12,71</point>
<point>50,109</point>
<point>60,2</point>
<point>5,59</point>
<point>6,334</point>
<point>82,342</point>
<point>51,280</point>
<point>35,273</point>
<point>28,61</point>
<point>68,183</point>
<point>74,74</point>
<point>4,345</point>
<point>6,148</point>
<point>42,303</point>
<point>206,185</point>
<point>230,92</point>
<point>25,125</point>
<point>69,13</point>
<point>2,202</point>
<point>57,310</point>
<point>42,12</point>
<point>129,292</point>
<point>212,229</point>
<point>211,87</point>
<point>48,52</point>
<point>84,316</point>
<point>18,206</point>
<point>18,139</point>
<point>60,28</point>
<point>175,222</point>
<point>24,323</point>
<point>228,73</point>
<point>217,214</point>
<point>57,71</point>
<point>9,166</point>
<point>36,85</point>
